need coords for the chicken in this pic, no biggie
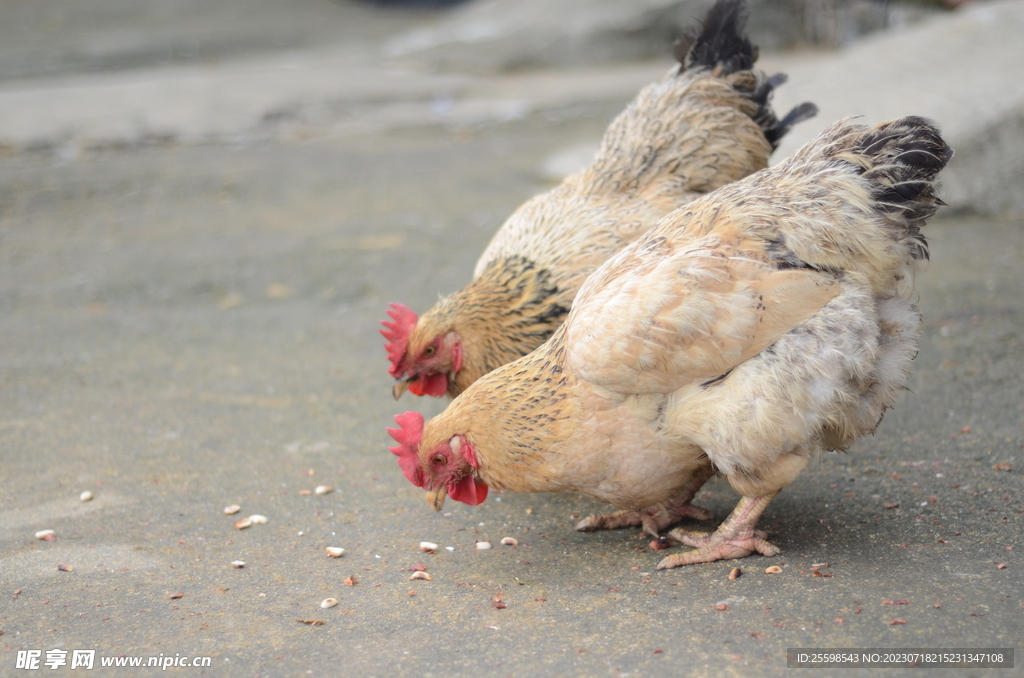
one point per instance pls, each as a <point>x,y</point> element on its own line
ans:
<point>706,124</point>
<point>757,325</point>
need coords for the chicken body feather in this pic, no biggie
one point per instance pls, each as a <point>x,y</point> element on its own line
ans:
<point>757,325</point>
<point>707,123</point>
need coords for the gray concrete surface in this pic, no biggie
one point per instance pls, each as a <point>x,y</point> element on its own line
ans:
<point>184,327</point>
<point>940,68</point>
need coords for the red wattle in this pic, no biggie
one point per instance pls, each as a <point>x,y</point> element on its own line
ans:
<point>433,385</point>
<point>469,491</point>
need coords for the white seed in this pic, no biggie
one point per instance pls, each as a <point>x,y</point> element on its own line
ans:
<point>428,546</point>
<point>329,602</point>
<point>43,534</point>
<point>334,551</point>
<point>774,569</point>
<point>232,510</point>
<point>257,519</point>
<point>243,523</point>
<point>85,496</point>
<point>483,545</point>
<point>323,489</point>
<point>509,541</point>
<point>421,575</point>
<point>238,563</point>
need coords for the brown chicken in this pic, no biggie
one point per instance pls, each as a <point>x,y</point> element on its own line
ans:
<point>757,325</point>
<point>706,124</point>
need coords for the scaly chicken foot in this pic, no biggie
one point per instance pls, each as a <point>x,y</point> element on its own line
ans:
<point>655,518</point>
<point>734,538</point>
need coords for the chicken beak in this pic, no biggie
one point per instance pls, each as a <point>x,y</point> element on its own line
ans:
<point>400,387</point>
<point>436,498</point>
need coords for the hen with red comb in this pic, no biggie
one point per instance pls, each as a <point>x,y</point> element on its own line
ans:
<point>709,122</point>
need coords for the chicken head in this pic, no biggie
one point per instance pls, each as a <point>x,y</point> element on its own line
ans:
<point>447,468</point>
<point>423,360</point>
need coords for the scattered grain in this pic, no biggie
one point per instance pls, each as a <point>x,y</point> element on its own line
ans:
<point>328,602</point>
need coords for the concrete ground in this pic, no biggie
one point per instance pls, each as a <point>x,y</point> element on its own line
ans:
<point>186,327</point>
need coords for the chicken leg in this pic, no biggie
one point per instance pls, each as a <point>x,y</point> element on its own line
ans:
<point>655,518</point>
<point>734,538</point>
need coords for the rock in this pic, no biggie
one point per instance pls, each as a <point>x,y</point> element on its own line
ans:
<point>956,69</point>
<point>491,36</point>
<point>504,35</point>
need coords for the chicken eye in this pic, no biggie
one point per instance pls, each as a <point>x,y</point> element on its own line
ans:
<point>430,350</point>
<point>437,459</point>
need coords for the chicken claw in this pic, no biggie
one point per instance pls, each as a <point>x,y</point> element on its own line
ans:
<point>734,538</point>
<point>655,518</point>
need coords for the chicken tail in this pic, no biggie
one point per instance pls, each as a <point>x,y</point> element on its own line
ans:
<point>723,47</point>
<point>858,198</point>
<point>901,160</point>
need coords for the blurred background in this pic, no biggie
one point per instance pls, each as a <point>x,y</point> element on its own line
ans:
<point>76,76</point>
<point>64,36</point>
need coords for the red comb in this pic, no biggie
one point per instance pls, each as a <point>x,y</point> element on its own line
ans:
<point>403,319</point>
<point>408,439</point>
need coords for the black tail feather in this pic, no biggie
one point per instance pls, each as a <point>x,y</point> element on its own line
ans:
<point>722,47</point>
<point>798,114</point>
<point>721,42</point>
<point>903,159</point>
